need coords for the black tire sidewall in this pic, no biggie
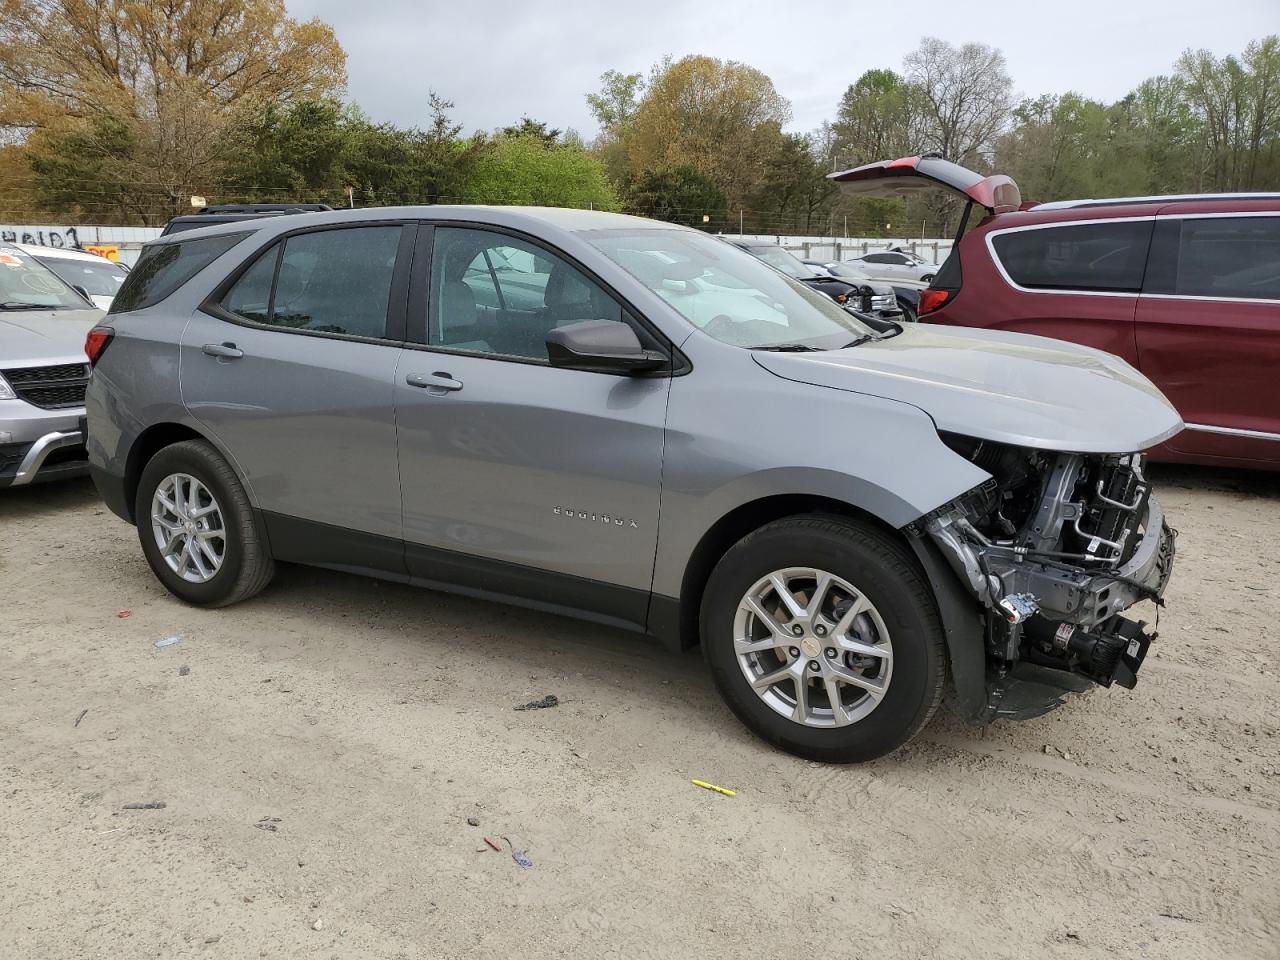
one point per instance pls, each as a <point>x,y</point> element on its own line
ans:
<point>902,601</point>
<point>195,458</point>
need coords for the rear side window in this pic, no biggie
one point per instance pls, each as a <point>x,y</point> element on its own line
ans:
<point>164,268</point>
<point>1104,257</point>
<point>326,281</point>
<point>1228,257</point>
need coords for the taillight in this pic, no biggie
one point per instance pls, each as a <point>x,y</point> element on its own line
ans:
<point>96,343</point>
<point>931,300</point>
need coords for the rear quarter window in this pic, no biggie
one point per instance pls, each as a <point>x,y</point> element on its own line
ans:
<point>1104,257</point>
<point>162,269</point>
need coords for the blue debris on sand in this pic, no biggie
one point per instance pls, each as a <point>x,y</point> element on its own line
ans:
<point>168,641</point>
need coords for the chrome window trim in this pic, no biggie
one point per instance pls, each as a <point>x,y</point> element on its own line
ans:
<point>1058,224</point>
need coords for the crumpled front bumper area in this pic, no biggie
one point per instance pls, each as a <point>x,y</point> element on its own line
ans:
<point>1053,598</point>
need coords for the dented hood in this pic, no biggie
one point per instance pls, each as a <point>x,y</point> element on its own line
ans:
<point>1006,387</point>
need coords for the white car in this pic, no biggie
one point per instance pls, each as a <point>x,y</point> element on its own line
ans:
<point>895,265</point>
<point>95,276</point>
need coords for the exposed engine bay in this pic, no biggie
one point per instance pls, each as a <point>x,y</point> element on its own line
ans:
<point>1055,546</point>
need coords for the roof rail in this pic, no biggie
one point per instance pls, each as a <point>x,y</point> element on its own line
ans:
<point>1169,198</point>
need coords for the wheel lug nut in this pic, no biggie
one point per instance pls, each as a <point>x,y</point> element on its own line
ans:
<point>831,653</point>
<point>813,666</point>
<point>793,651</point>
<point>820,630</point>
<point>797,630</point>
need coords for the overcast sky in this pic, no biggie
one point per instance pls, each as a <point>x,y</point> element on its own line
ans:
<point>498,60</point>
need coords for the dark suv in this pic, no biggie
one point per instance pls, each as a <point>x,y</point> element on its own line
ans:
<point>1185,288</point>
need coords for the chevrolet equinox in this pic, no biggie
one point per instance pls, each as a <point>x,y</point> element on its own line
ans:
<point>641,425</point>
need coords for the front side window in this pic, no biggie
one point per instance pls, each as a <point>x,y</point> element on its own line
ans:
<point>496,294</point>
<point>325,281</point>
<point>726,292</point>
<point>1230,257</point>
<point>782,260</point>
<point>164,267</point>
<point>1106,257</point>
<point>26,284</point>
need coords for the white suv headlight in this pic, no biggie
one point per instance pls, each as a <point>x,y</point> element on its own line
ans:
<point>6,391</point>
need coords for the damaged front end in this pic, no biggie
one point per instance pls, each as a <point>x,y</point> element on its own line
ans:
<point>1054,547</point>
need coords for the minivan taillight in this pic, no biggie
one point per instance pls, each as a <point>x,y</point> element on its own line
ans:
<point>96,343</point>
<point>931,300</point>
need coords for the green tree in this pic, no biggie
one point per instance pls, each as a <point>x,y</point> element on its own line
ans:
<point>527,170</point>
<point>793,195</point>
<point>679,195</point>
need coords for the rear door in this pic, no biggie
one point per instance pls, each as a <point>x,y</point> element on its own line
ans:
<point>1208,331</point>
<point>292,370</point>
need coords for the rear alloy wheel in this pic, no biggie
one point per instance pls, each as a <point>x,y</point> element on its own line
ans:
<point>823,637</point>
<point>197,529</point>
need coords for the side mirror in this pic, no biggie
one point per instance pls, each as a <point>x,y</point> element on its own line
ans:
<point>601,345</point>
<point>82,291</point>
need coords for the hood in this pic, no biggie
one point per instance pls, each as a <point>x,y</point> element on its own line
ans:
<point>36,338</point>
<point>1005,387</point>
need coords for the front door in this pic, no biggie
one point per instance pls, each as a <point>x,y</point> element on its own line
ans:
<point>293,374</point>
<point>519,478</point>
<point>1208,332</point>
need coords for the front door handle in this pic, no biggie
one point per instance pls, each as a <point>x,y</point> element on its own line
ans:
<point>438,383</point>
<point>226,351</point>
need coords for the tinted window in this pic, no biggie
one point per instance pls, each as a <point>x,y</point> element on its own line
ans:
<point>251,296</point>
<point>878,258</point>
<point>163,268</point>
<point>329,281</point>
<point>1094,256</point>
<point>1229,257</point>
<point>492,293</point>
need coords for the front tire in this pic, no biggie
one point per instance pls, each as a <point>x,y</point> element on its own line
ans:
<point>824,639</point>
<point>197,529</point>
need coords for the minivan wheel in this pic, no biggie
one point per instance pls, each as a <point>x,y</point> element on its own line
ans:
<point>824,639</point>
<point>197,529</point>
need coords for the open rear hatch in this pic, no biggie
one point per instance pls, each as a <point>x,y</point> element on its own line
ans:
<point>887,178</point>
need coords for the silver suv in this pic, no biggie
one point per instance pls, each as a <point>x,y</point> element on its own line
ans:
<point>638,424</point>
<point>43,371</point>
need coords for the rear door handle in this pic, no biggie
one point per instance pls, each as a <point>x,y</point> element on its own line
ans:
<point>438,382</point>
<point>228,351</point>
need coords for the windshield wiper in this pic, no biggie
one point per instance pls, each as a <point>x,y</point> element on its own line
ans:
<point>21,305</point>
<point>789,348</point>
<point>858,342</point>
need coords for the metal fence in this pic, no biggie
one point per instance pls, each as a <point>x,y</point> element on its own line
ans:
<point>846,248</point>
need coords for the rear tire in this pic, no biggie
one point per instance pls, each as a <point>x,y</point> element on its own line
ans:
<point>862,627</point>
<point>928,278</point>
<point>197,528</point>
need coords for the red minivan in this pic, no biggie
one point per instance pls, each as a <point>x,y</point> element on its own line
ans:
<point>1185,288</point>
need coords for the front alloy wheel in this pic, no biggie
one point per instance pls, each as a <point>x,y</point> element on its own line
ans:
<point>823,636</point>
<point>813,647</point>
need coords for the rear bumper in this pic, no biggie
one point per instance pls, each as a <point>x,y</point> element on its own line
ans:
<point>114,492</point>
<point>51,456</point>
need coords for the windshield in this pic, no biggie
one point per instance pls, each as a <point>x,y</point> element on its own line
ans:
<point>25,284</point>
<point>726,292</point>
<point>846,272</point>
<point>780,259</point>
<point>98,279</point>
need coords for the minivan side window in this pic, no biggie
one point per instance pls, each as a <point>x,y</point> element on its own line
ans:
<point>326,281</point>
<point>1108,257</point>
<point>496,294</point>
<point>163,268</point>
<point>1227,257</point>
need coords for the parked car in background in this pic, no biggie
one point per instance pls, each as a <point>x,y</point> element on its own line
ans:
<point>896,265</point>
<point>235,212</point>
<point>96,276</point>
<point>906,292</point>
<point>1185,288</point>
<point>672,438</point>
<point>43,371</point>
<point>865,297</point>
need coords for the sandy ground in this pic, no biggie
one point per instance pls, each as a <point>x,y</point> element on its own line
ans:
<point>373,719</point>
